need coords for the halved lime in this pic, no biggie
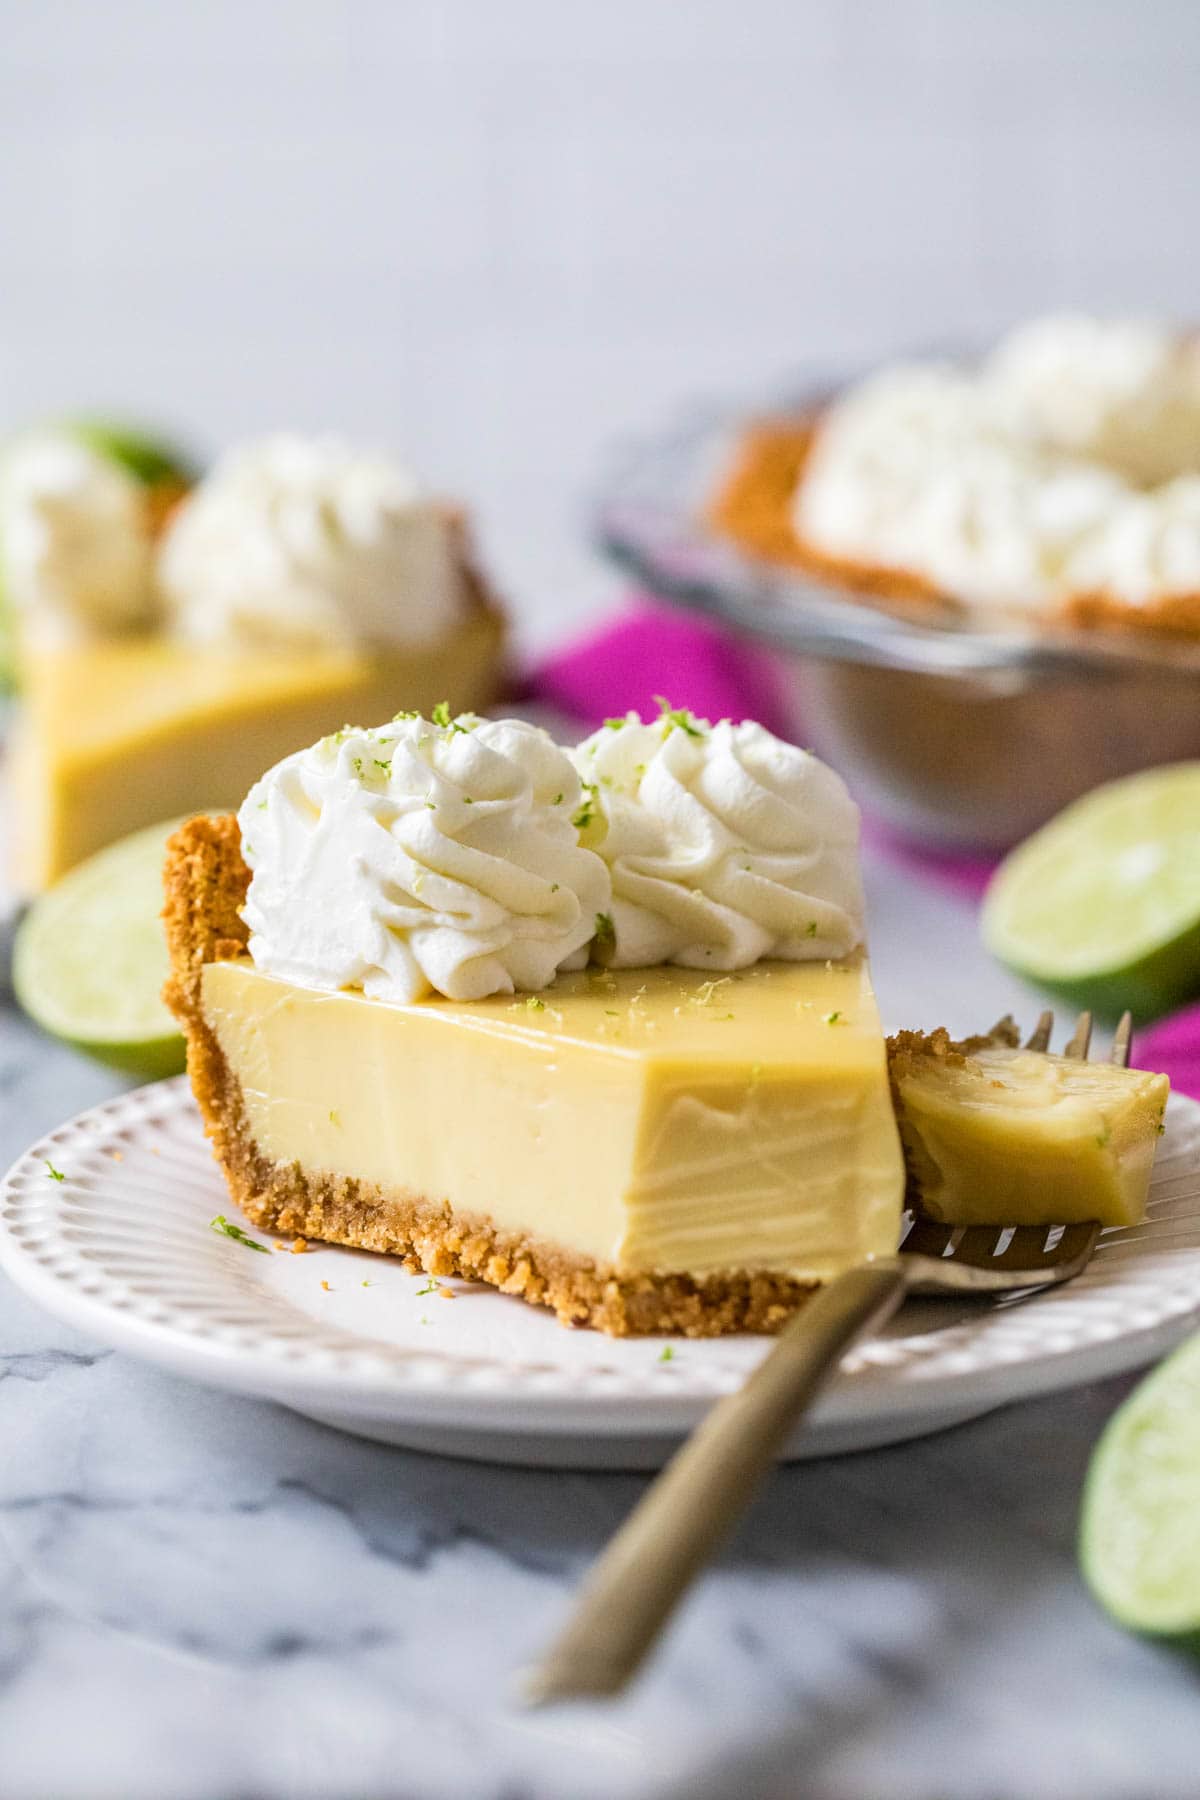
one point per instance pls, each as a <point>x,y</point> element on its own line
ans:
<point>1139,1543</point>
<point>90,960</point>
<point>1102,905</point>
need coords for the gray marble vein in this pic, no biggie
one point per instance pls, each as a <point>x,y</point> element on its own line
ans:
<point>205,1598</point>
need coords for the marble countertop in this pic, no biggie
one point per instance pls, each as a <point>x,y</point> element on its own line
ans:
<point>206,1598</point>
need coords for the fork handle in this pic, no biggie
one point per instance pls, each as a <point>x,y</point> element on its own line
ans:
<point>687,1512</point>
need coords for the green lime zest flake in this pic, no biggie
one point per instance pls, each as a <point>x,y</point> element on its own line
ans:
<point>358,765</point>
<point>639,770</point>
<point>467,800</point>
<point>810,930</point>
<point>431,1287</point>
<point>606,932</point>
<point>557,800</point>
<point>398,718</point>
<point>262,806</point>
<point>223,1228</point>
<point>554,887</point>
<point>334,1116</point>
<point>612,1012</point>
<point>441,713</point>
<point>667,1353</point>
<point>582,818</point>
<point>615,724</point>
<point>381,762</point>
<point>366,1284</point>
<point>432,805</point>
<point>833,1018</point>
<point>53,1173</point>
<point>535,1003</point>
<point>676,718</point>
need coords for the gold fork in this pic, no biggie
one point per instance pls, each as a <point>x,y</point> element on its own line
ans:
<point>690,1509</point>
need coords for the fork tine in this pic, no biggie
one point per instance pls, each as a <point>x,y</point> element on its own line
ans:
<point>978,1243</point>
<point>1076,1240</point>
<point>1025,1249</point>
<point>1081,1038</point>
<point>1039,1037</point>
<point>928,1238</point>
<point>1122,1041</point>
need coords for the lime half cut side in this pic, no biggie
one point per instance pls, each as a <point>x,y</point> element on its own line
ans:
<point>90,959</point>
<point>1102,905</point>
<point>1139,1542</point>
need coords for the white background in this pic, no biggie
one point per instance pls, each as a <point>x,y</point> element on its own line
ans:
<point>497,234</point>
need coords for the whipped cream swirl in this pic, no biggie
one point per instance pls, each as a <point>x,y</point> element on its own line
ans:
<point>306,543</point>
<point>421,858</point>
<point>75,541</point>
<point>1124,393</point>
<point>724,844</point>
<point>1017,482</point>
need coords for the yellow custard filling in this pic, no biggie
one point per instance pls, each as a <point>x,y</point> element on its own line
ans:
<point>649,1120</point>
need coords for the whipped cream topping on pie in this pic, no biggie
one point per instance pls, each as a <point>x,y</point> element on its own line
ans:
<point>305,543</point>
<point>1123,393</point>
<point>75,541</point>
<point>421,858</point>
<point>725,844</point>
<point>1050,469</point>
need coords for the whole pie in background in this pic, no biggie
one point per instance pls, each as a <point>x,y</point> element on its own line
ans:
<point>1056,480</point>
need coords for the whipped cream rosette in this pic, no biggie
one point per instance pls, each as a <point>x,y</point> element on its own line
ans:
<point>725,845</point>
<point>75,540</point>
<point>421,858</point>
<point>307,543</point>
<point>1057,465</point>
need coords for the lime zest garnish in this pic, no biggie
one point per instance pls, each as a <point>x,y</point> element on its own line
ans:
<point>223,1228</point>
<point>431,1287</point>
<point>583,817</point>
<point>53,1173</point>
<point>676,718</point>
<point>606,932</point>
<point>667,1353</point>
<point>441,713</point>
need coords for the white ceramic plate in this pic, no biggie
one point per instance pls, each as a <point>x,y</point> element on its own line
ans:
<point>121,1249</point>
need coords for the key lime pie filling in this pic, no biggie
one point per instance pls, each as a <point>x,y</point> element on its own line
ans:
<point>995,1133</point>
<point>594,1027</point>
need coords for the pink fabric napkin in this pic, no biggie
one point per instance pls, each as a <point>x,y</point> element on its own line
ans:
<point>1173,1046</point>
<point>651,649</point>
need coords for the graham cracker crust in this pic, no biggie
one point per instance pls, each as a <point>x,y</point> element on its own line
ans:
<point>205,882</point>
<point>754,507</point>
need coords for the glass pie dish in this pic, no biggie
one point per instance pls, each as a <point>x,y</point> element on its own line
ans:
<point>959,730</point>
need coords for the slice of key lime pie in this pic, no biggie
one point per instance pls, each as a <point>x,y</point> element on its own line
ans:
<point>595,1027</point>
